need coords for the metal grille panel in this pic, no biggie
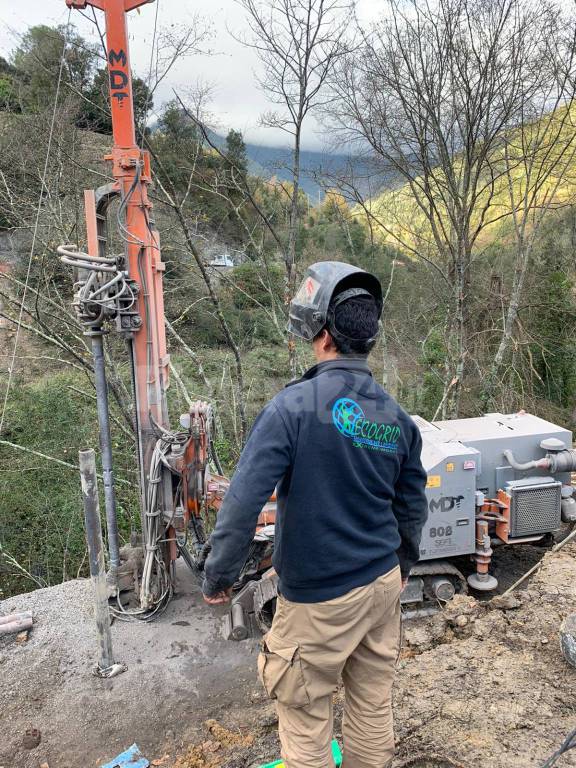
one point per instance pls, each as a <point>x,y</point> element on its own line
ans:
<point>535,509</point>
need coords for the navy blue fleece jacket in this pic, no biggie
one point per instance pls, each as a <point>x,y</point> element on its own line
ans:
<point>350,485</point>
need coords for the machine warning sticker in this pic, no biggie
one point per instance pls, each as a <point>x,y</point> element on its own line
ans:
<point>450,467</point>
<point>434,481</point>
<point>470,464</point>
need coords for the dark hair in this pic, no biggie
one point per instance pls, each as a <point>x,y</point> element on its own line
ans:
<point>357,320</point>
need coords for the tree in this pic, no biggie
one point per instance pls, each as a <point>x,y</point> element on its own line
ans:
<point>180,170</point>
<point>37,59</point>
<point>433,92</point>
<point>539,160</point>
<point>8,87</point>
<point>298,43</point>
<point>236,151</point>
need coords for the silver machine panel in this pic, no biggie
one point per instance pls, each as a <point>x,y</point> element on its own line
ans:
<point>464,456</point>
<point>494,433</point>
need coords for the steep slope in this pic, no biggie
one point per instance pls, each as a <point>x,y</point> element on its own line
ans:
<point>483,684</point>
<point>533,167</point>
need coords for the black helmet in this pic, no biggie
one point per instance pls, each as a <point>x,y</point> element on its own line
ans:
<point>312,307</point>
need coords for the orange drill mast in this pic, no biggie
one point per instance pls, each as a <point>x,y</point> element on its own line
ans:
<point>128,289</point>
<point>131,170</point>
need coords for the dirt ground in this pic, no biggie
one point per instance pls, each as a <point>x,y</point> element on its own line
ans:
<point>180,672</point>
<point>482,684</point>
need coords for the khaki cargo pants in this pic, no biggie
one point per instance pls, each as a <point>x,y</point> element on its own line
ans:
<point>310,645</point>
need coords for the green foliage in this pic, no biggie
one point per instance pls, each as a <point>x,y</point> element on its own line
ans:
<point>433,359</point>
<point>227,453</point>
<point>8,87</point>
<point>253,285</point>
<point>176,126</point>
<point>551,318</point>
<point>41,522</point>
<point>37,60</point>
<point>207,179</point>
<point>236,151</point>
<point>29,84</point>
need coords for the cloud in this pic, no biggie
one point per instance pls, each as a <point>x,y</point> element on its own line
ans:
<point>237,102</point>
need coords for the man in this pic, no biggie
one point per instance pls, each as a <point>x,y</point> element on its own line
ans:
<point>350,486</point>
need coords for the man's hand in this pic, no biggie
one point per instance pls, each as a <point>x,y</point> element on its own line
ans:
<point>220,598</point>
<point>404,582</point>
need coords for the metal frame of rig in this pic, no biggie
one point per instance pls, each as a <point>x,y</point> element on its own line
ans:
<point>127,289</point>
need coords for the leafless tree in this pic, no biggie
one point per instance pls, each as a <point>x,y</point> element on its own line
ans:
<point>433,92</point>
<point>298,42</point>
<point>175,197</point>
<point>538,159</point>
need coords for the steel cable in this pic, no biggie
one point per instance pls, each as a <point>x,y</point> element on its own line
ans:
<point>568,744</point>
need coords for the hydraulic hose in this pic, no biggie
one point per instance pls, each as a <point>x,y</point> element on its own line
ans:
<point>561,461</point>
<point>538,463</point>
<point>72,252</point>
<point>87,265</point>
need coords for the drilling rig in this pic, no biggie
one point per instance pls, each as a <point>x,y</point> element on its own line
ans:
<point>124,293</point>
<point>496,479</point>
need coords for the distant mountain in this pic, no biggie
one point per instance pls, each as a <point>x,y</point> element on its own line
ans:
<point>320,169</point>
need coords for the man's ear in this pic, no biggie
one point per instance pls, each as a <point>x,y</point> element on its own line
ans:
<point>327,342</point>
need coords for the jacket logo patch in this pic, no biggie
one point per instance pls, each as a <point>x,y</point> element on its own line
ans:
<point>349,419</point>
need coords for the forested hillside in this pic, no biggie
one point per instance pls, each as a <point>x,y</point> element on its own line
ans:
<point>474,243</point>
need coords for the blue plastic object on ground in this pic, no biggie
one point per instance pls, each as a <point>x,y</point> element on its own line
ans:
<point>336,753</point>
<point>131,758</point>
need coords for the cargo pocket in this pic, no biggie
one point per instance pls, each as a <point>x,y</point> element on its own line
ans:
<point>280,670</point>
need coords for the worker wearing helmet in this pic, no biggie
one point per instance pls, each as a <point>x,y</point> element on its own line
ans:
<point>345,459</point>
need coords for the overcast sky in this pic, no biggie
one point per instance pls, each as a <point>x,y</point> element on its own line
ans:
<point>236,102</point>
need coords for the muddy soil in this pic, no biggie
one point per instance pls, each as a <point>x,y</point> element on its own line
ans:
<point>483,684</point>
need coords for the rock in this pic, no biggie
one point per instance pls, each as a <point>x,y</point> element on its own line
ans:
<point>418,638</point>
<point>568,639</point>
<point>211,746</point>
<point>461,621</point>
<point>448,636</point>
<point>269,716</point>
<point>460,605</point>
<point>453,708</point>
<point>32,737</point>
<point>505,602</point>
<point>438,627</point>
